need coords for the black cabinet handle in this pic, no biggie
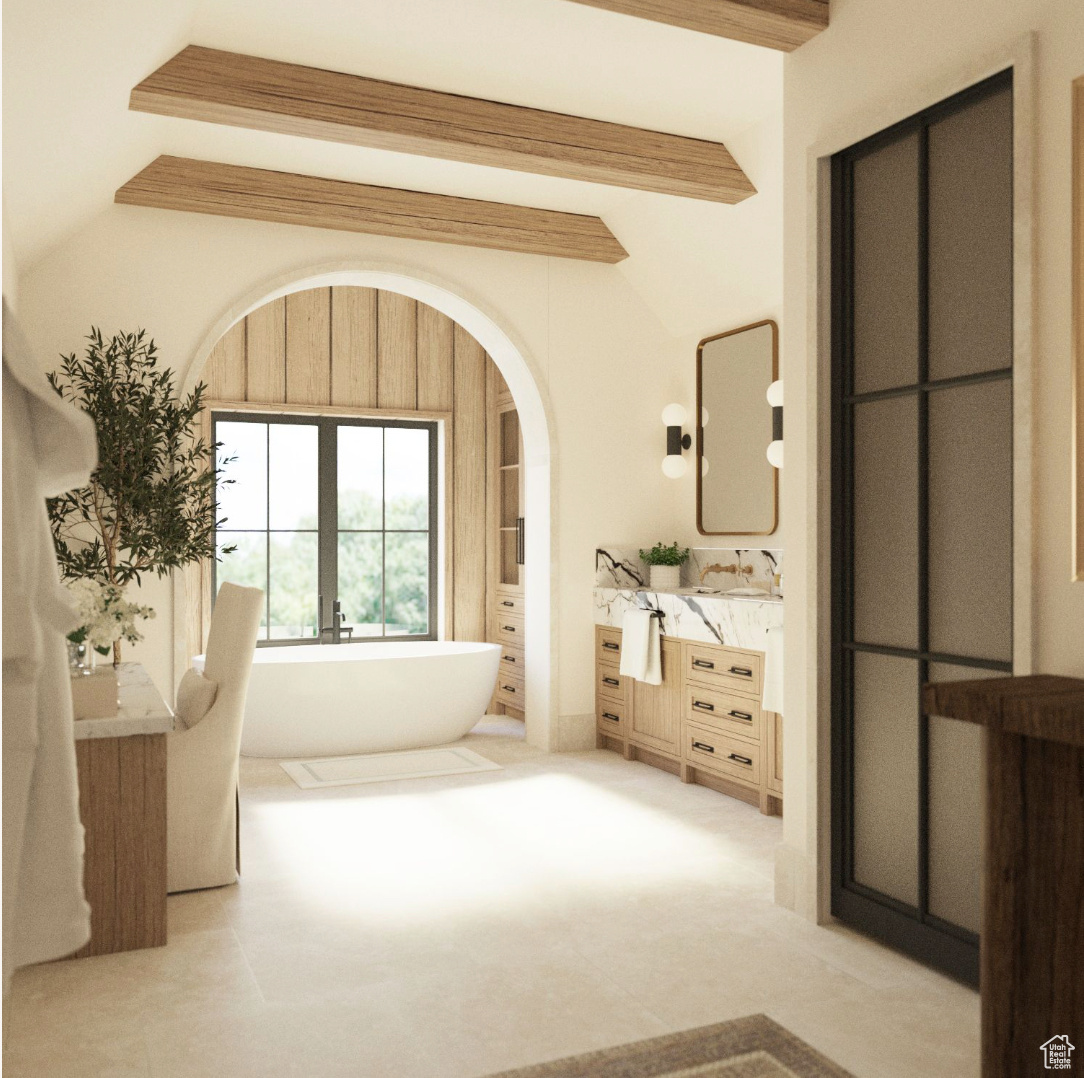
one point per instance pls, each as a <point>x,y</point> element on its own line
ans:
<point>610,681</point>
<point>610,646</point>
<point>741,671</point>
<point>741,759</point>
<point>509,688</point>
<point>509,628</point>
<point>703,664</point>
<point>509,658</point>
<point>704,748</point>
<point>704,707</point>
<point>741,715</point>
<point>611,716</point>
<point>508,602</point>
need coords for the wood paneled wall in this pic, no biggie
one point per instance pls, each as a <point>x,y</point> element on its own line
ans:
<point>363,348</point>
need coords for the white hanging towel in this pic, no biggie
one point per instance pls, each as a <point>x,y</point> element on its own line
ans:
<point>772,697</point>
<point>641,652</point>
<point>49,447</point>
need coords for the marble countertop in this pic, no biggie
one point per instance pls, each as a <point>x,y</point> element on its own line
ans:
<point>733,621</point>
<point>142,709</point>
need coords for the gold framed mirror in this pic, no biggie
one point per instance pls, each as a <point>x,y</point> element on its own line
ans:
<point>737,490</point>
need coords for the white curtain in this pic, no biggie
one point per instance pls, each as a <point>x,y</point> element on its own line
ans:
<point>49,447</point>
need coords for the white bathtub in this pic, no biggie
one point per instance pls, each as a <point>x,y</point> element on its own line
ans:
<point>336,700</point>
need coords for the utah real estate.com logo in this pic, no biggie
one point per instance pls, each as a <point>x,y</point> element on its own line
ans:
<point>1056,1053</point>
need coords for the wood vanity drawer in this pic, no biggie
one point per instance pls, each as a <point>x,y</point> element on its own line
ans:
<point>726,712</point>
<point>510,691</point>
<point>611,717</point>
<point>738,760</point>
<point>607,644</point>
<point>511,664</point>
<point>724,668</point>
<point>510,630</point>
<point>507,603</point>
<point>610,683</point>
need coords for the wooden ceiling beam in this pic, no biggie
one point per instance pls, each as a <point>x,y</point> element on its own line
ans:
<point>180,183</point>
<point>775,24</point>
<point>269,95</point>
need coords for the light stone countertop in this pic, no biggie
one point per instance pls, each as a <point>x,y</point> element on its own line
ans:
<point>142,709</point>
<point>733,621</point>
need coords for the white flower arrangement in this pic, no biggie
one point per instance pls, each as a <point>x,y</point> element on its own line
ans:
<point>107,616</point>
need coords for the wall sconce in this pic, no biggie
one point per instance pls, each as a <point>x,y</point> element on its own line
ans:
<point>775,399</point>
<point>673,464</point>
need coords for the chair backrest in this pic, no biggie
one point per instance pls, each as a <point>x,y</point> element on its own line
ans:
<point>231,642</point>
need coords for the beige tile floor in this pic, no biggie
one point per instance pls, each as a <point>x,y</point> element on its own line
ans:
<point>463,925</point>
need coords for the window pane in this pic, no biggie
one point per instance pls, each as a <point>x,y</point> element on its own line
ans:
<point>407,589</point>
<point>294,485</point>
<point>293,585</point>
<point>406,478</point>
<point>247,565</point>
<point>361,477</point>
<point>242,501</point>
<point>360,576</point>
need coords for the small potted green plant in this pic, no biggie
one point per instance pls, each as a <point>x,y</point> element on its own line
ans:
<point>665,563</point>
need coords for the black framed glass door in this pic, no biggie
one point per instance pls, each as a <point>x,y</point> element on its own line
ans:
<point>921,510</point>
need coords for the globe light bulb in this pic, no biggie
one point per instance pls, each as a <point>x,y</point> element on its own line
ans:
<point>673,415</point>
<point>673,466</point>
<point>775,394</point>
<point>703,465</point>
<point>775,454</point>
<point>704,417</point>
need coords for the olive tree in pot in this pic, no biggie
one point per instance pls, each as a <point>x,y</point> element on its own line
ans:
<point>150,504</point>
<point>665,563</point>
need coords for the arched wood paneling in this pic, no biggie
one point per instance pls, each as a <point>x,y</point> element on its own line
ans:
<point>367,348</point>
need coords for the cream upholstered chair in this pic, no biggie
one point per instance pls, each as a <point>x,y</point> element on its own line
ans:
<point>202,761</point>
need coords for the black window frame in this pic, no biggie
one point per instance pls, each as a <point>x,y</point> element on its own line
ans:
<point>328,529</point>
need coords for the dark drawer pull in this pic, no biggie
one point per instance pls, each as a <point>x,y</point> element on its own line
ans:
<point>509,688</point>
<point>509,628</point>
<point>741,715</point>
<point>704,707</point>
<point>611,716</point>
<point>741,759</point>
<point>742,671</point>
<point>704,748</point>
<point>703,664</point>
<point>610,681</point>
<point>508,602</point>
<point>609,645</point>
<point>509,658</point>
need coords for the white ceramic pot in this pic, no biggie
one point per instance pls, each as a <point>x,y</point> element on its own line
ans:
<point>665,577</point>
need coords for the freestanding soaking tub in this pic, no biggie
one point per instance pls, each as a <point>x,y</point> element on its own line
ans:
<point>338,700</point>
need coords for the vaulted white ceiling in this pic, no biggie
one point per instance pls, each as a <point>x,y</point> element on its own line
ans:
<point>70,140</point>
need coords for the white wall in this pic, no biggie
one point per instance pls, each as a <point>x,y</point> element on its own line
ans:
<point>603,359</point>
<point>10,267</point>
<point>876,58</point>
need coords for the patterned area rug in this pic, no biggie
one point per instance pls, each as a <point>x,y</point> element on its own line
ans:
<point>753,1047</point>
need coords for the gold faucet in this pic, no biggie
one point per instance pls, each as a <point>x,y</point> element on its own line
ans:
<point>745,570</point>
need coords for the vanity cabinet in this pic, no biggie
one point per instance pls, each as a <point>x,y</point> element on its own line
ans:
<point>655,710</point>
<point>505,610</point>
<point>704,722</point>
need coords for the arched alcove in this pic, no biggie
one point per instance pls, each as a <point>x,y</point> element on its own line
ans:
<point>538,450</point>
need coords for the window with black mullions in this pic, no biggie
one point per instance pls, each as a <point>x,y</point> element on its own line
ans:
<point>334,509</point>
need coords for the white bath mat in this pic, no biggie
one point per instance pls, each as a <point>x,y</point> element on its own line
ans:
<point>385,767</point>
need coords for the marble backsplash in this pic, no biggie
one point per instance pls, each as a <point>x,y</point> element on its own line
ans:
<point>622,568</point>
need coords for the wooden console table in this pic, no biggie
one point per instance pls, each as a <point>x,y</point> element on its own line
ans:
<point>122,802</point>
<point>1032,945</point>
